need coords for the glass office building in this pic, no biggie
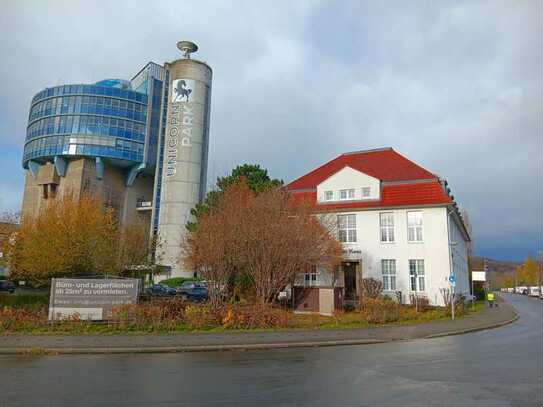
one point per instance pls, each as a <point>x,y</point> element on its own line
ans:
<point>100,138</point>
<point>106,120</point>
<point>106,139</point>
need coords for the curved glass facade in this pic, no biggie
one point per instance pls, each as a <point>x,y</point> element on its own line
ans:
<point>87,120</point>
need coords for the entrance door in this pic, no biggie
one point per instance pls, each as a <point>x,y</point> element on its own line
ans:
<point>349,270</point>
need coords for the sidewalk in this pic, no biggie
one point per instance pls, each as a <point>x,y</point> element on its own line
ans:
<point>186,342</point>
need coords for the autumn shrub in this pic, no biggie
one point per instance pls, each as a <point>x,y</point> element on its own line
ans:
<point>201,316</point>
<point>255,315</point>
<point>420,303</point>
<point>459,306</point>
<point>459,301</point>
<point>157,314</point>
<point>21,318</point>
<point>380,310</point>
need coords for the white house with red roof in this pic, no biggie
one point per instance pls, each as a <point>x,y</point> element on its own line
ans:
<point>397,223</point>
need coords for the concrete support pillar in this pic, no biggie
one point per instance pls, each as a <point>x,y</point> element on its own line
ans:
<point>99,168</point>
<point>34,168</point>
<point>133,173</point>
<point>60,166</point>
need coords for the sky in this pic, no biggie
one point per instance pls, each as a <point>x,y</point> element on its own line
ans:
<point>455,86</point>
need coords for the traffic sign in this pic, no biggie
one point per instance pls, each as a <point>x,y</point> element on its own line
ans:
<point>478,276</point>
<point>452,280</point>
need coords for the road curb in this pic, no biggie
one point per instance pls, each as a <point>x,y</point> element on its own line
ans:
<point>477,328</point>
<point>179,349</point>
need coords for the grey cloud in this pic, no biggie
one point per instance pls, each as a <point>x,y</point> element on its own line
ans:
<point>455,86</point>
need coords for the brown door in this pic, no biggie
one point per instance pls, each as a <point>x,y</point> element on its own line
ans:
<point>349,269</point>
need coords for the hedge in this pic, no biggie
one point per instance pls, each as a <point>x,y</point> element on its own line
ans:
<point>177,281</point>
<point>24,300</point>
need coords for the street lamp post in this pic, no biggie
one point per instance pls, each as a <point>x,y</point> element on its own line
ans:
<point>452,301</point>
<point>539,269</point>
<point>472,292</point>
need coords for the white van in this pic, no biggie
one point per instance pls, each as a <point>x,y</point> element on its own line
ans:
<point>533,291</point>
<point>521,290</point>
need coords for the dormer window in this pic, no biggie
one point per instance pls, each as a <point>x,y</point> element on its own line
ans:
<point>328,195</point>
<point>366,191</point>
<point>345,194</point>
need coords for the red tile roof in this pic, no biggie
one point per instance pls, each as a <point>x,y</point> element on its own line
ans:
<point>418,186</point>
<point>427,193</point>
<point>384,164</point>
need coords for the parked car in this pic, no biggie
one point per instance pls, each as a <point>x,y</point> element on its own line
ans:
<point>160,290</point>
<point>7,286</point>
<point>533,291</point>
<point>192,291</point>
<point>521,290</point>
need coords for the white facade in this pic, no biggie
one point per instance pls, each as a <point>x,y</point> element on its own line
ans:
<point>436,246</point>
<point>349,179</point>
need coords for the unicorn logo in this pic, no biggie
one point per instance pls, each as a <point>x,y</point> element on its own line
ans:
<point>182,88</point>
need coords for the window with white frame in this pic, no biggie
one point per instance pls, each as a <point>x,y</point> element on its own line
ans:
<point>388,270</point>
<point>414,226</point>
<point>328,195</point>
<point>366,191</point>
<point>346,228</point>
<point>346,194</point>
<point>386,222</point>
<point>310,278</point>
<point>417,275</point>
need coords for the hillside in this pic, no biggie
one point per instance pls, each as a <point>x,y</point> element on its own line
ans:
<point>497,266</point>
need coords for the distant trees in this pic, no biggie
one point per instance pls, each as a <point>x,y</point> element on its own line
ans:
<point>527,274</point>
<point>508,281</point>
<point>264,236</point>
<point>74,237</point>
<point>9,223</point>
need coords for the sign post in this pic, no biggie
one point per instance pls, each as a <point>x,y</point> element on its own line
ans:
<point>452,282</point>
<point>476,276</point>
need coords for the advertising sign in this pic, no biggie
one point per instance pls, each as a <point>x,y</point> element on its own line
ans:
<point>478,276</point>
<point>90,298</point>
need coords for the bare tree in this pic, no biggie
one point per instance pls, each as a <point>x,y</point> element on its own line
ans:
<point>213,246</point>
<point>284,239</point>
<point>267,236</point>
<point>372,288</point>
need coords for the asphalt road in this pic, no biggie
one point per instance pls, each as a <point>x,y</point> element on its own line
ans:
<point>499,367</point>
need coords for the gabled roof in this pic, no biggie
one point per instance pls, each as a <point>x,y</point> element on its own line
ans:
<point>403,183</point>
<point>384,164</point>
